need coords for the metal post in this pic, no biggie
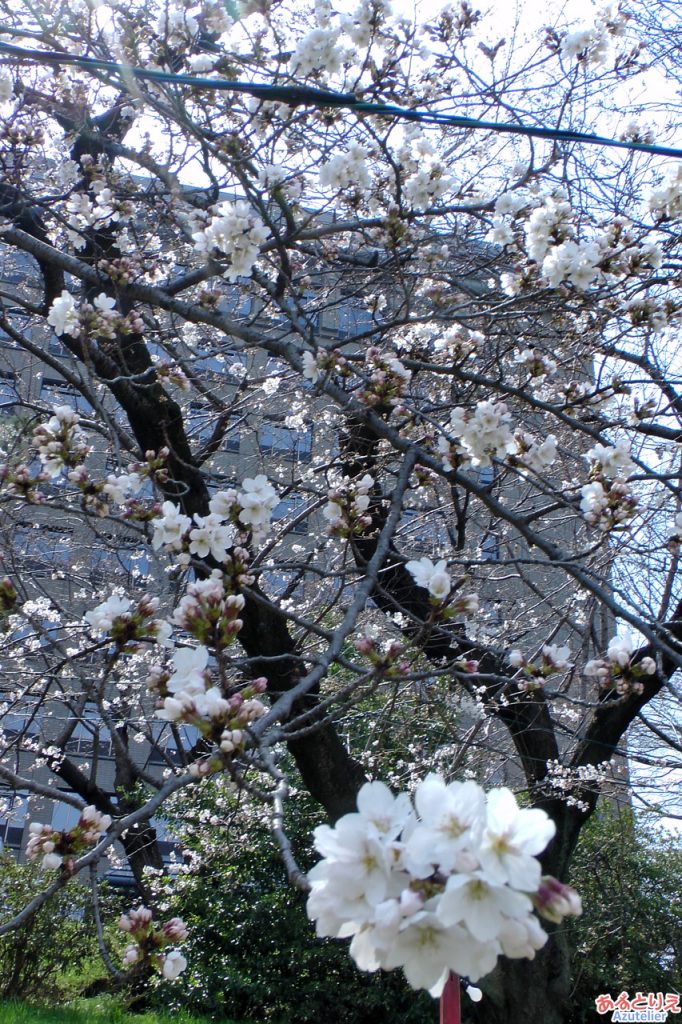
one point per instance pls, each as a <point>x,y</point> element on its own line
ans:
<point>450,1006</point>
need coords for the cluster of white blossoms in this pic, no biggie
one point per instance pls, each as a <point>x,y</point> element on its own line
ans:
<point>613,252</point>
<point>445,885</point>
<point>318,50</point>
<point>575,262</point>
<point>347,169</point>
<point>532,674</point>
<point>550,241</point>
<point>118,488</point>
<point>618,670</point>
<point>550,223</point>
<point>99,211</point>
<point>310,367</point>
<point>236,230</point>
<point>56,847</point>
<point>176,24</point>
<point>99,319</point>
<point>592,43</point>
<point>480,435</point>
<point>257,500</point>
<point>325,48</point>
<point>431,181</point>
<point>612,461</point>
<point>60,442</point>
<point>665,202</point>
<point>434,577</point>
<point>607,500</point>
<point>63,315</point>
<point>126,622</point>
<point>535,363</point>
<point>459,342</point>
<point>569,784</point>
<point>216,533</point>
<point>189,695</point>
<point>535,455</point>
<point>150,941</point>
<point>102,617</point>
<point>346,509</point>
<point>607,505</point>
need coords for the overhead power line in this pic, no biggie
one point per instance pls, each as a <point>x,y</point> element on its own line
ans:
<point>301,95</point>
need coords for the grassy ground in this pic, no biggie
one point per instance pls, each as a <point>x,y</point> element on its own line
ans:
<point>102,1010</point>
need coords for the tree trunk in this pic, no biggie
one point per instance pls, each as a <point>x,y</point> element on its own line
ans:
<point>527,991</point>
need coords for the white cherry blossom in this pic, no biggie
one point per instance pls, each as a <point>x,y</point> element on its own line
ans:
<point>434,577</point>
<point>170,527</point>
<point>211,536</point>
<point>452,819</point>
<point>237,231</point>
<point>174,963</point>
<point>63,315</point>
<point>482,904</point>
<point>102,617</point>
<point>511,840</point>
<point>189,666</point>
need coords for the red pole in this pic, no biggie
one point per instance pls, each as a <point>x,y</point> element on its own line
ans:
<point>450,1007</point>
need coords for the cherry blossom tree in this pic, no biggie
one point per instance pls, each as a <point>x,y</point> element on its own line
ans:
<point>314,406</point>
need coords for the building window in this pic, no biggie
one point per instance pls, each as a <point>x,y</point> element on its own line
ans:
<point>134,562</point>
<point>8,393</point>
<point>492,613</point>
<point>17,269</point>
<point>421,530</point>
<point>354,320</point>
<point>89,736</point>
<point>291,508</point>
<point>236,303</point>
<point>120,557</point>
<point>201,423</point>
<point>490,547</point>
<point>230,361</point>
<point>295,444</point>
<point>486,476</point>
<point>64,817</point>
<point>58,392</point>
<point>57,348</point>
<point>13,815</point>
<point>44,549</point>
<point>277,584</point>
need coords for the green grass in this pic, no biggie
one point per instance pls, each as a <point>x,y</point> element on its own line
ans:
<point>101,1010</point>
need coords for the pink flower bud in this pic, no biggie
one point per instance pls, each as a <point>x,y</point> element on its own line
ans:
<point>554,901</point>
<point>175,930</point>
<point>199,769</point>
<point>364,645</point>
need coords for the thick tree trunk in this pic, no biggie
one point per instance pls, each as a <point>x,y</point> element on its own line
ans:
<point>527,991</point>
